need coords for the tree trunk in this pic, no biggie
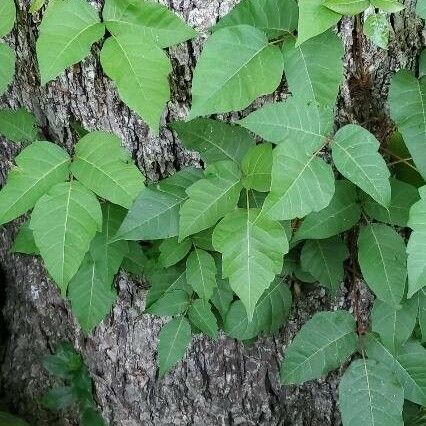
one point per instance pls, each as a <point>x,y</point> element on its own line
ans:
<point>220,382</point>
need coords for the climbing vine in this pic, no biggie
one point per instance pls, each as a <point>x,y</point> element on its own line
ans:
<point>283,196</point>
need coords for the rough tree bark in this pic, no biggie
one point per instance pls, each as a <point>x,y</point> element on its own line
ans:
<point>220,382</point>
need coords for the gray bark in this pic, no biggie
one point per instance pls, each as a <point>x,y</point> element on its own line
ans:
<point>220,382</point>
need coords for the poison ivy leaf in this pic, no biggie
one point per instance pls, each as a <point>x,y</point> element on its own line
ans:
<point>390,6</point>
<point>24,241</point>
<point>100,163</point>
<point>172,252</point>
<point>256,168</point>
<point>314,70</point>
<point>36,5</point>
<point>146,20</point>
<point>347,7</point>
<point>8,16</point>
<point>422,312</point>
<point>215,140</point>
<point>237,324</point>
<point>155,213</point>
<point>394,326</point>
<point>200,314</point>
<point>408,365</point>
<point>251,199</point>
<point>294,120</point>
<point>201,273</point>
<point>64,363</point>
<point>210,198</point>
<point>134,261</point>
<point>296,170</point>
<point>64,221</point>
<point>59,398</point>
<point>376,28</point>
<point>90,417</point>
<point>355,156</point>
<point>18,125</point>
<point>403,196</point>
<point>171,303</point>
<point>174,339</point>
<point>421,9</point>
<point>321,345</point>
<point>203,239</point>
<point>222,294</point>
<point>273,17</point>
<point>314,19</point>
<point>303,276</point>
<point>236,66</point>
<point>140,71</point>
<point>382,258</point>
<point>64,42</point>
<point>341,214</point>
<point>252,248</point>
<point>38,167</point>
<point>369,395</point>
<point>7,69</point>
<point>323,259</point>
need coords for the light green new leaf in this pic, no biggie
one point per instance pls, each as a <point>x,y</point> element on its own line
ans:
<point>65,41</point>
<point>100,164</point>
<point>146,20</point>
<point>140,71</point>
<point>174,339</point>
<point>314,19</point>
<point>323,259</point>
<point>201,273</point>
<point>134,261</point>
<point>421,9</point>
<point>257,167</point>
<point>390,6</point>
<point>36,5</point>
<point>369,395</point>
<point>294,120</point>
<point>252,248</point>
<point>91,295</point>
<point>314,70</point>
<point>7,69</point>
<point>8,16</point>
<point>215,140</point>
<point>64,222</point>
<point>210,198</point>
<point>301,182</point>
<point>347,7</point>
<point>322,345</point>
<point>422,312</point>
<point>18,125</point>
<point>155,213</point>
<point>273,17</point>
<point>171,303</point>
<point>376,28</point>
<point>382,258</point>
<point>403,196</point>
<point>355,155</point>
<point>38,167</point>
<point>394,326</point>
<point>236,66</point>
<point>24,241</point>
<point>172,252</point>
<point>201,316</point>
<point>341,214</point>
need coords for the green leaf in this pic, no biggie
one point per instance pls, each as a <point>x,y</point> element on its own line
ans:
<point>422,63</point>
<point>38,167</point>
<point>64,363</point>
<point>100,163</point>
<point>422,312</point>
<point>253,247</point>
<point>394,326</point>
<point>296,170</point>
<point>390,6</point>
<point>140,71</point>
<point>215,140</point>
<point>408,364</point>
<point>18,125</point>
<point>236,66</point>
<point>147,21</point>
<point>314,70</point>
<point>369,395</point>
<point>403,196</point>
<point>314,19</point>
<point>222,294</point>
<point>155,213</point>
<point>210,198</point>
<point>59,398</point>
<point>355,156</point>
<point>347,7</point>
<point>90,417</point>
<point>200,314</point>
<point>11,420</point>
<point>64,42</point>
<point>256,168</point>
<point>171,303</point>
<point>172,252</point>
<point>323,259</point>
<point>7,69</point>
<point>8,16</point>
<point>341,214</point>
<point>36,5</point>
<point>421,9</point>
<point>174,339</point>
<point>294,120</point>
<point>376,28</point>
<point>24,241</point>
<point>273,17</point>
<point>382,258</point>
<point>64,221</point>
<point>134,261</point>
<point>201,273</point>
<point>321,345</point>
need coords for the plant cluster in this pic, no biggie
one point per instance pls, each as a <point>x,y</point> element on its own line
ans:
<point>282,197</point>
